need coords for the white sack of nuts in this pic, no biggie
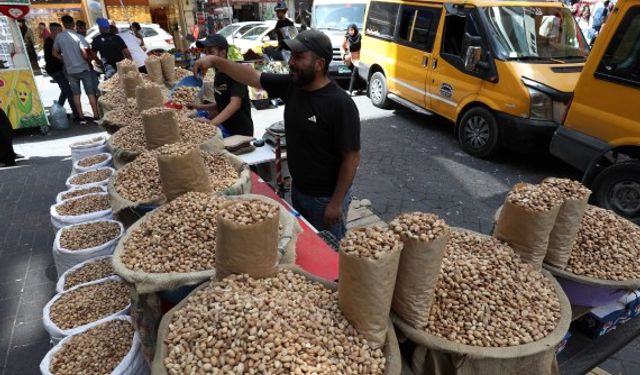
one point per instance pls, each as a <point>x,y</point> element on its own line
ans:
<point>77,243</point>
<point>286,324</point>
<point>92,162</point>
<point>174,245</point>
<point>85,306</point>
<point>112,347</point>
<point>526,220</point>
<point>90,270</point>
<point>82,149</point>
<point>75,193</point>
<point>81,209</point>
<point>96,177</point>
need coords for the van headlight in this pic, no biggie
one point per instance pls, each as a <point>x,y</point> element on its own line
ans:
<point>541,105</point>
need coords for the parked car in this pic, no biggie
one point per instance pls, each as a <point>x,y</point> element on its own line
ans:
<point>156,40</point>
<point>600,134</point>
<point>234,31</point>
<point>262,36</point>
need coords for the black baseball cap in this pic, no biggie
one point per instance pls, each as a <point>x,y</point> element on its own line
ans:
<point>311,40</point>
<point>213,40</point>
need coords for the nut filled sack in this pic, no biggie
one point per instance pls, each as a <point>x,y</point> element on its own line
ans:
<point>160,127</point>
<point>125,66</point>
<point>424,237</point>
<point>182,170</point>
<point>575,198</point>
<point>526,221</point>
<point>369,259</point>
<point>90,270</point>
<point>149,95</point>
<point>81,209</point>
<point>130,81</point>
<point>154,69</point>
<point>168,62</point>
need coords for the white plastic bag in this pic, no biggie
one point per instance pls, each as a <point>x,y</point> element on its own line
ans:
<point>63,277</point>
<point>105,163</point>
<point>132,364</point>
<point>80,150</point>
<point>104,182</point>
<point>56,333</point>
<point>65,258</point>
<point>60,194</point>
<point>60,221</point>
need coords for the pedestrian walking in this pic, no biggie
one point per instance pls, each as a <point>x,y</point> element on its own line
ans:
<point>81,28</point>
<point>133,45</point>
<point>600,16</point>
<point>231,97</point>
<point>72,49</point>
<point>322,127</point>
<point>351,52</point>
<point>43,33</point>
<point>55,69</point>
<point>27,37</point>
<point>111,48</point>
<point>137,31</point>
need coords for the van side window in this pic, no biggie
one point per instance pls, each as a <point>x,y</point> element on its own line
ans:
<point>621,61</point>
<point>381,20</point>
<point>418,26</point>
<point>456,32</point>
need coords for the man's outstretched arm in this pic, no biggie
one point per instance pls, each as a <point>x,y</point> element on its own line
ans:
<point>242,73</point>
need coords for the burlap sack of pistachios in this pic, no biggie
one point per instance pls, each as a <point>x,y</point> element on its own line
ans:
<point>168,63</point>
<point>130,82</point>
<point>160,127</point>
<point>149,96</point>
<point>182,174</point>
<point>154,69</point>
<point>125,66</point>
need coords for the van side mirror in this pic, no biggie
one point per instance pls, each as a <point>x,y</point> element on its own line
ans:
<point>472,58</point>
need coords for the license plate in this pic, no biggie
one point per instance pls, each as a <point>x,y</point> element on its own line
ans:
<point>343,69</point>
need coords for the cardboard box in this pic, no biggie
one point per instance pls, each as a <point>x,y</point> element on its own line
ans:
<point>604,319</point>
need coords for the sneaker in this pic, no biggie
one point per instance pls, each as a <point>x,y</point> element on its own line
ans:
<point>83,122</point>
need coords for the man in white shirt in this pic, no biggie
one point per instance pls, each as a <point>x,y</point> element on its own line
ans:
<point>71,48</point>
<point>133,45</point>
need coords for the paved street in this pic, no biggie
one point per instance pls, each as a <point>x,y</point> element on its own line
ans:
<point>409,162</point>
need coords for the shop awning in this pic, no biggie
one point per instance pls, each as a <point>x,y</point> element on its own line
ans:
<point>14,8</point>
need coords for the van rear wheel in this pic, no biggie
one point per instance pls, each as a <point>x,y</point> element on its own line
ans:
<point>617,188</point>
<point>478,133</point>
<point>378,90</point>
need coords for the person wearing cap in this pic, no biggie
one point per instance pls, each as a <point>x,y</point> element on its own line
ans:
<point>111,48</point>
<point>231,97</point>
<point>322,127</point>
<point>282,24</point>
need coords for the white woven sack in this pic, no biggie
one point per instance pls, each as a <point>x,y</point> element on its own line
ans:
<point>81,151</point>
<point>132,364</point>
<point>62,279</point>
<point>65,258</point>
<point>60,221</point>
<point>60,194</point>
<point>99,183</point>
<point>56,334</point>
<point>106,163</point>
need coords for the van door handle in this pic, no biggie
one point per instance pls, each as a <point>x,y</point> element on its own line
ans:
<point>434,63</point>
<point>425,60</point>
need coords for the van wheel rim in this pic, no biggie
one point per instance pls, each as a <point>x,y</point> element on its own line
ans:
<point>376,90</point>
<point>624,197</point>
<point>476,132</point>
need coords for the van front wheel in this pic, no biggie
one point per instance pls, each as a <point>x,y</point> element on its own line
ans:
<point>378,90</point>
<point>617,188</point>
<point>478,133</point>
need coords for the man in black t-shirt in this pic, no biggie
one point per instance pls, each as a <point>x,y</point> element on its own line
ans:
<point>322,127</point>
<point>231,97</point>
<point>282,24</point>
<point>111,47</point>
<point>55,69</point>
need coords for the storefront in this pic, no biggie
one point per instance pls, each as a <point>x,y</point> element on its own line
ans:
<point>19,97</point>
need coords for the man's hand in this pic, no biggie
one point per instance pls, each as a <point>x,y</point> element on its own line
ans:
<point>203,64</point>
<point>333,213</point>
<point>192,105</point>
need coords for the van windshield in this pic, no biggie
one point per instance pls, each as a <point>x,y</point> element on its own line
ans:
<point>535,33</point>
<point>337,16</point>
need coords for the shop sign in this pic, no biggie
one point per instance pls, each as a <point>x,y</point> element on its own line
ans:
<point>20,100</point>
<point>14,8</point>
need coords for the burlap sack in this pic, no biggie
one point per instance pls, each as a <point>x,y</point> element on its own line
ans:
<point>182,174</point>
<point>168,63</point>
<point>565,231</point>
<point>149,96</point>
<point>250,249</point>
<point>365,292</point>
<point>418,272</point>
<point>527,232</point>
<point>160,127</point>
<point>125,67</point>
<point>391,348</point>
<point>154,70</point>
<point>130,82</point>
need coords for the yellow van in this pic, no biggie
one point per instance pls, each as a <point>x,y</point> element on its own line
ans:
<point>601,133</point>
<point>502,71</point>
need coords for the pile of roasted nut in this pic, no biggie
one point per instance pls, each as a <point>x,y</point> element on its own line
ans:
<point>130,138</point>
<point>92,160</point>
<point>84,205</point>
<point>113,98</point>
<point>139,181</point>
<point>419,226</point>
<point>124,113</point>
<point>534,198</point>
<point>487,296</point>
<point>89,303</point>
<point>249,212</point>
<point>371,242</point>
<point>80,192</point>
<point>114,83</point>
<point>607,247</point>
<point>89,272</point>
<point>283,324</point>
<point>99,175</point>
<point>98,350</point>
<point>184,95</point>
<point>178,237</point>
<point>181,73</point>
<point>566,188</point>
<point>88,235</point>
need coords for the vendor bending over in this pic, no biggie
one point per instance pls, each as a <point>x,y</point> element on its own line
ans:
<point>231,97</point>
<point>322,126</point>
